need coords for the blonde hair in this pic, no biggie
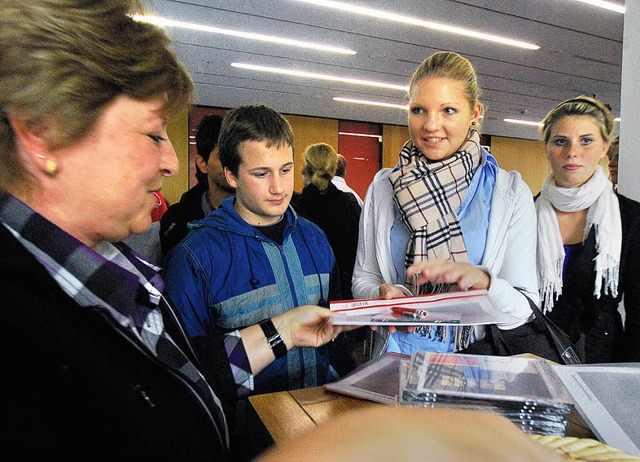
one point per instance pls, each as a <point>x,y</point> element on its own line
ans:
<point>320,162</point>
<point>452,66</point>
<point>63,61</point>
<point>582,105</point>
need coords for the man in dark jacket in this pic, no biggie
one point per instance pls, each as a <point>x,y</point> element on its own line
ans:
<point>204,197</point>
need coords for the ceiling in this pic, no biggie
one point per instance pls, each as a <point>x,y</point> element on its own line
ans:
<point>580,53</point>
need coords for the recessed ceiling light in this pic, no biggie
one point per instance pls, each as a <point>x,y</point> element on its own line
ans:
<point>389,16</point>
<point>159,21</point>
<point>606,5</point>
<point>524,122</point>
<point>313,75</point>
<point>371,103</point>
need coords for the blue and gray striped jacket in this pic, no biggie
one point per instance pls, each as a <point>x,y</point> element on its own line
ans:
<point>225,275</point>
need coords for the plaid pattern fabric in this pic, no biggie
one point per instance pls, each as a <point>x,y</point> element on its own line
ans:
<point>113,278</point>
<point>240,366</point>
<point>427,195</point>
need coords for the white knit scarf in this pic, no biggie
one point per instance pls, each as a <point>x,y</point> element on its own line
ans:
<point>604,215</point>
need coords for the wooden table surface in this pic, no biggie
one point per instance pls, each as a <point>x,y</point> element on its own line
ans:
<point>287,414</point>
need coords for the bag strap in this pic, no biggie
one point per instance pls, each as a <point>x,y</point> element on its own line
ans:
<point>565,349</point>
<point>501,348</point>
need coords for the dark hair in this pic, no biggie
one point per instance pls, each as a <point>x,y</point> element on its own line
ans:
<point>251,123</point>
<point>614,146</point>
<point>341,167</point>
<point>207,134</point>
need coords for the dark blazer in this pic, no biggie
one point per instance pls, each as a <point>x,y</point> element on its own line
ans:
<point>578,311</point>
<point>338,215</point>
<point>173,224</point>
<point>72,380</point>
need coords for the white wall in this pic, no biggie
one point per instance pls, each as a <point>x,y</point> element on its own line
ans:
<point>629,165</point>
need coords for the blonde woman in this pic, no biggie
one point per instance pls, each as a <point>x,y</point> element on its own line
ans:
<point>446,213</point>
<point>588,236</point>
<point>337,213</point>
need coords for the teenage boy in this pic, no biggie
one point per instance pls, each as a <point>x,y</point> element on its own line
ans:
<point>254,258</point>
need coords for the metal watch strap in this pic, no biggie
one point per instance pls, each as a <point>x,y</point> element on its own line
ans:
<point>273,338</point>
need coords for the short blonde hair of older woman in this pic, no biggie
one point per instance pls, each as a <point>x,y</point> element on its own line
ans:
<point>63,61</point>
<point>319,163</point>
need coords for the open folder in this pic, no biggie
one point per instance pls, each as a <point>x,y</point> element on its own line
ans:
<point>471,307</point>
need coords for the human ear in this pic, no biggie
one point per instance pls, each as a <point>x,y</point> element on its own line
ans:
<point>32,137</point>
<point>231,179</point>
<point>33,143</point>
<point>200,163</point>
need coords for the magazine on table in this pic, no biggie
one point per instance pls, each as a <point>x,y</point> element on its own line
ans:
<point>449,377</point>
<point>471,307</point>
<point>377,380</point>
<point>605,395</point>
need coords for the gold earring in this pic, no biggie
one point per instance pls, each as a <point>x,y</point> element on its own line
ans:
<point>50,167</point>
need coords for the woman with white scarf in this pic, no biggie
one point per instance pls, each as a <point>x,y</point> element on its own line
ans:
<point>588,236</point>
<point>446,213</point>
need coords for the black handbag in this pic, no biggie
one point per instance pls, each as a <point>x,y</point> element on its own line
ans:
<point>540,337</point>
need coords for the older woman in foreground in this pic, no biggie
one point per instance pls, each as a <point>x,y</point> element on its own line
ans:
<point>96,354</point>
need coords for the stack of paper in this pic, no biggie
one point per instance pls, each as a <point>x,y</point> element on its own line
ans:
<point>524,390</point>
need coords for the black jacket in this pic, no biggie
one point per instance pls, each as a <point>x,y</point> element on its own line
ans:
<point>173,224</point>
<point>578,311</point>
<point>338,215</point>
<point>72,380</point>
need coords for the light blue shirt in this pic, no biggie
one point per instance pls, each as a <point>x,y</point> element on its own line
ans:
<point>474,214</point>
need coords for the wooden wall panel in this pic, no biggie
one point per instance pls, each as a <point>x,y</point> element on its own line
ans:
<point>393,138</point>
<point>526,156</point>
<point>178,132</point>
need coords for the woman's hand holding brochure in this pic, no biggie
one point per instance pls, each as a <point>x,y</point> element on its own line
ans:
<point>471,307</point>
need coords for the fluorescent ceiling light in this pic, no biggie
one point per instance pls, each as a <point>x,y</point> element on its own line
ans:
<point>420,22</point>
<point>606,5</point>
<point>159,21</point>
<point>313,75</point>
<point>370,103</point>
<point>523,122</point>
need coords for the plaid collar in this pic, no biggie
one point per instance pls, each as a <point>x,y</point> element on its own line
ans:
<point>112,276</point>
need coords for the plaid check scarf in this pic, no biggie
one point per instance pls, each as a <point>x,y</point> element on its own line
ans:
<point>427,195</point>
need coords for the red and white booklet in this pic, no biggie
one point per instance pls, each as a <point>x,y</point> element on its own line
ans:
<point>471,307</point>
